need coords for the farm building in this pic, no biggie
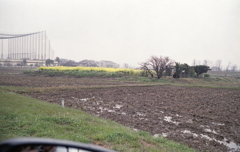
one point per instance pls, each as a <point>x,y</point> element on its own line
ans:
<point>16,63</point>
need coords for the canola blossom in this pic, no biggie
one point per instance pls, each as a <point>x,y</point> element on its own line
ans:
<point>98,69</point>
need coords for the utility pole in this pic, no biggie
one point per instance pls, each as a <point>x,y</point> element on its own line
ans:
<point>41,44</point>
<point>31,43</point>
<point>27,47</point>
<point>38,46</point>
<point>22,48</point>
<point>2,50</point>
<point>49,50</point>
<point>33,52</point>
<point>16,50</point>
<point>25,50</point>
<point>14,47</point>
<point>45,44</point>
<point>8,46</point>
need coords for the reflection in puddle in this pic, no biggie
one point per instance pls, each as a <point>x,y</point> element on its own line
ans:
<point>219,124</point>
<point>118,106</point>
<point>157,135</point>
<point>140,114</point>
<point>178,115</point>
<point>189,121</point>
<point>85,99</point>
<point>212,131</point>
<point>135,129</point>
<point>231,145</point>
<point>164,134</point>
<point>189,132</point>
<point>169,119</point>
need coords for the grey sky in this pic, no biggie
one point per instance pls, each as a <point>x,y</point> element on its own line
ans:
<point>130,31</point>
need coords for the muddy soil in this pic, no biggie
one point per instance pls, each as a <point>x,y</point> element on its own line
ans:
<point>203,118</point>
<point>14,70</point>
<point>43,81</point>
<point>206,119</point>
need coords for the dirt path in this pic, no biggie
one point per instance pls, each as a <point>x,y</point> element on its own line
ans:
<point>203,118</point>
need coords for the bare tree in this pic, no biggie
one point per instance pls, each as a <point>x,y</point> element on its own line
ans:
<point>198,62</point>
<point>210,63</point>
<point>63,61</point>
<point>205,62</point>
<point>156,65</point>
<point>194,62</point>
<point>218,65</point>
<point>125,65</point>
<point>58,60</point>
<point>228,66</point>
<point>234,68</point>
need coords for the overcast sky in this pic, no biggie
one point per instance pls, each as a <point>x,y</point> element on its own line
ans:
<point>130,31</point>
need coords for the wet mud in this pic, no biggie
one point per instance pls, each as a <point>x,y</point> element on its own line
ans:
<point>203,118</point>
<point>206,119</point>
<point>61,81</point>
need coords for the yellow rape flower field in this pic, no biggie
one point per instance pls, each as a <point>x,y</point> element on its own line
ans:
<point>99,69</point>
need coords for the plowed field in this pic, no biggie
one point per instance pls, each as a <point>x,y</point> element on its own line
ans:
<point>42,81</point>
<point>206,119</point>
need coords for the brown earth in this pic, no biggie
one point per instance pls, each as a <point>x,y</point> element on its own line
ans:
<point>14,70</point>
<point>206,119</point>
<point>61,81</point>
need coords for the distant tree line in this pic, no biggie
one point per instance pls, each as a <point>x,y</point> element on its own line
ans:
<point>217,65</point>
<point>86,63</point>
<point>164,66</point>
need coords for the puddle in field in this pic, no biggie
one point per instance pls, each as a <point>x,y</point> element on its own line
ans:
<point>117,109</point>
<point>106,109</point>
<point>212,131</point>
<point>218,124</point>
<point>140,114</point>
<point>157,135</point>
<point>169,119</point>
<point>164,134</point>
<point>83,99</point>
<point>189,132</point>
<point>231,145</point>
<point>118,106</point>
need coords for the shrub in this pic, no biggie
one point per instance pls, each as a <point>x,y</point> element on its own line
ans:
<point>207,75</point>
<point>28,72</point>
<point>194,75</point>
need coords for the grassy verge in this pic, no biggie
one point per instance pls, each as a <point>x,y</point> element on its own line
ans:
<point>22,116</point>
<point>79,74</point>
<point>225,82</point>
